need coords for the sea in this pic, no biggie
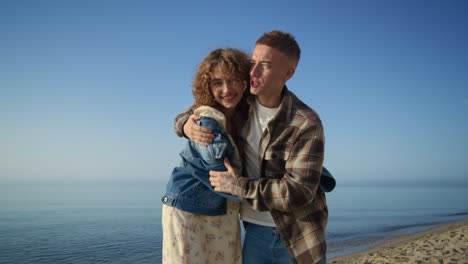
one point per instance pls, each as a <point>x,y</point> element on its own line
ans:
<point>97,223</point>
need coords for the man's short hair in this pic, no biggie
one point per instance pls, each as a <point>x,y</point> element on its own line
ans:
<point>284,42</point>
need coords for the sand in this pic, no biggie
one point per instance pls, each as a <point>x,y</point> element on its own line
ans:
<point>447,244</point>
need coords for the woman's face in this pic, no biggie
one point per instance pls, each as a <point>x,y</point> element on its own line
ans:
<point>227,92</point>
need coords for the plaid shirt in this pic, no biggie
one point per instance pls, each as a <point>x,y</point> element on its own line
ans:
<point>292,152</point>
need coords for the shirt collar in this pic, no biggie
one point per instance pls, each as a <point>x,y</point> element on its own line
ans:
<point>284,109</point>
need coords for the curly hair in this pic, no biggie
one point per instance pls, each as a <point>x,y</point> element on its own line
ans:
<point>233,63</point>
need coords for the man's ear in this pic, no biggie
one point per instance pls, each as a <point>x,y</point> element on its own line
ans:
<point>289,73</point>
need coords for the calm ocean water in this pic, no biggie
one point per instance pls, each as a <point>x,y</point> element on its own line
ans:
<point>121,223</point>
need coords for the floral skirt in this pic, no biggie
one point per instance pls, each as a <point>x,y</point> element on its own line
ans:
<point>193,238</point>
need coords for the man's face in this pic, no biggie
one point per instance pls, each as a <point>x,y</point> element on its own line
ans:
<point>269,72</point>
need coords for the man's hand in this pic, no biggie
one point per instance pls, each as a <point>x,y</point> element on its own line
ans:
<point>223,181</point>
<point>196,133</point>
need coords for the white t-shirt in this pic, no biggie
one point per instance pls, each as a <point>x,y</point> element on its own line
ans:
<point>258,122</point>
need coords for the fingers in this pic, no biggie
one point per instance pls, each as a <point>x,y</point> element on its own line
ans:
<point>196,127</point>
<point>227,164</point>
<point>221,181</point>
<point>214,173</point>
<point>215,177</point>
<point>195,117</point>
<point>214,181</point>
<point>229,168</point>
<point>197,133</point>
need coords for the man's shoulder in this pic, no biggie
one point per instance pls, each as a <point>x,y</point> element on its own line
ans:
<point>301,112</point>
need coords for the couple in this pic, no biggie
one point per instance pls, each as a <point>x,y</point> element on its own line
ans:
<point>256,150</point>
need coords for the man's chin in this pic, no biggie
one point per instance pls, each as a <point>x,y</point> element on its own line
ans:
<point>255,91</point>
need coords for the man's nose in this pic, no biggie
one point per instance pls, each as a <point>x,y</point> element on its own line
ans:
<point>254,71</point>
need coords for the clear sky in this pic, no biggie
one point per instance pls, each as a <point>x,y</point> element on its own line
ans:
<point>89,89</point>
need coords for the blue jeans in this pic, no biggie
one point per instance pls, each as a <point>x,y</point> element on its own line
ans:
<point>263,245</point>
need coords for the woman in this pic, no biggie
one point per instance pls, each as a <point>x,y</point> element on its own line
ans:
<point>199,224</point>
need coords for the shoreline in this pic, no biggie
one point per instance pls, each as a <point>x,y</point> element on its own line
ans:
<point>445,243</point>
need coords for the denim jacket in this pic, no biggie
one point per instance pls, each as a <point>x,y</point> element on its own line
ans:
<point>327,181</point>
<point>189,188</point>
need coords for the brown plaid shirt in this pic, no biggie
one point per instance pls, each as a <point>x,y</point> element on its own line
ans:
<point>292,152</point>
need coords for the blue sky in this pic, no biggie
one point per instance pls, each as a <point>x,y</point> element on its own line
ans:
<point>89,89</point>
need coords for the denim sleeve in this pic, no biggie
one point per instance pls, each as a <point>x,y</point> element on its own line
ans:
<point>216,151</point>
<point>327,181</point>
<point>221,147</point>
<point>212,156</point>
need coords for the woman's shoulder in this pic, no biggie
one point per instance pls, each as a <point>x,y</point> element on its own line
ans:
<point>213,113</point>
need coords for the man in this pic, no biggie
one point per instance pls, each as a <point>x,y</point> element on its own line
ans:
<point>282,142</point>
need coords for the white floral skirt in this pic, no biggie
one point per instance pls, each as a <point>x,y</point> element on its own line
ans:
<point>201,239</point>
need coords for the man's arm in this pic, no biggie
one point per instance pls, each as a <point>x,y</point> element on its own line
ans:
<point>180,121</point>
<point>185,126</point>
<point>295,189</point>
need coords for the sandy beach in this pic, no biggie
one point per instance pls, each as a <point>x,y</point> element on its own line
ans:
<point>446,244</point>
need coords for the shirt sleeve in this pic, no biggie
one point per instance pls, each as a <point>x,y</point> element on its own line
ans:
<point>299,183</point>
<point>180,121</point>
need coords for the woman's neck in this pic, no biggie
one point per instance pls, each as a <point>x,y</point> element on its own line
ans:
<point>228,114</point>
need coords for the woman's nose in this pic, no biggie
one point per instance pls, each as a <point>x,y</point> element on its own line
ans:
<point>227,85</point>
